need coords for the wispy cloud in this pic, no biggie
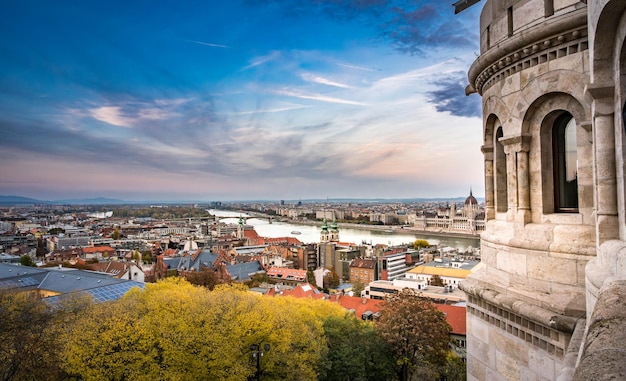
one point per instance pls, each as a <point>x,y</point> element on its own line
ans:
<point>356,67</point>
<point>271,110</point>
<point>210,44</point>
<point>324,81</point>
<point>261,60</point>
<point>318,97</point>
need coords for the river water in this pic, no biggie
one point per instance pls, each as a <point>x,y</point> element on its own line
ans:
<point>311,233</point>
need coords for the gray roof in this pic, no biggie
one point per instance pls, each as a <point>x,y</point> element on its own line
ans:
<point>244,271</point>
<point>65,281</point>
<point>14,276</point>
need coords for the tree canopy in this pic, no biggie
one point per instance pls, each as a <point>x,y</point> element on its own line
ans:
<point>173,330</point>
<point>417,333</point>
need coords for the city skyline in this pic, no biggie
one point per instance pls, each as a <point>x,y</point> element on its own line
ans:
<point>242,100</point>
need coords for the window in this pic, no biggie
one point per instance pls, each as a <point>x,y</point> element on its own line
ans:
<point>565,164</point>
<point>500,174</point>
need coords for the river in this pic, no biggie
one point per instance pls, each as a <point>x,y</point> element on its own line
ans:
<point>311,233</point>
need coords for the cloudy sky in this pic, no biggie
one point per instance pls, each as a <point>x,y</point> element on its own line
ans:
<point>239,99</point>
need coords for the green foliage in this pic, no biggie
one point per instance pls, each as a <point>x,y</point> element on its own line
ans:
<point>417,333</point>
<point>56,231</point>
<point>26,260</point>
<point>258,279</point>
<point>355,351</point>
<point>357,287</point>
<point>161,213</point>
<point>455,369</point>
<point>116,234</point>
<point>420,243</point>
<point>310,277</point>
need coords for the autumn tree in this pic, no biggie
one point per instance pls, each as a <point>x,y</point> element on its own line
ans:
<point>420,243</point>
<point>174,330</point>
<point>205,277</point>
<point>28,346</point>
<point>331,279</point>
<point>436,280</point>
<point>417,333</point>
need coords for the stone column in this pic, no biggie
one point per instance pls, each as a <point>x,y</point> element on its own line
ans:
<point>511,147</point>
<point>490,212</point>
<point>604,167</point>
<point>523,180</point>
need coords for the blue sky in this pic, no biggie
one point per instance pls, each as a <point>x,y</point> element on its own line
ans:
<point>230,100</point>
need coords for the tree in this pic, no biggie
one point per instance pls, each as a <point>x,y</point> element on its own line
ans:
<point>357,287</point>
<point>310,277</point>
<point>355,351</point>
<point>417,333</point>
<point>454,369</point>
<point>28,350</point>
<point>258,279</point>
<point>331,279</point>
<point>41,248</point>
<point>26,260</point>
<point>420,243</point>
<point>174,330</point>
<point>116,234</point>
<point>205,277</point>
<point>436,280</point>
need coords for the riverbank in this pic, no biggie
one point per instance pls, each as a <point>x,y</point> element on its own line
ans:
<point>391,228</point>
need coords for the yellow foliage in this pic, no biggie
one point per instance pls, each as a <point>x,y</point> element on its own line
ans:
<point>173,330</point>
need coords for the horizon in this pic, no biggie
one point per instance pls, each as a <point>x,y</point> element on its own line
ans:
<point>6,199</point>
<point>238,100</point>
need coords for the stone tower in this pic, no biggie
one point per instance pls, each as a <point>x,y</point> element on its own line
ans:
<point>334,231</point>
<point>324,233</point>
<point>552,76</point>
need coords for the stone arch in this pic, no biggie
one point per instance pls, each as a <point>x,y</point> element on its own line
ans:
<point>560,82</point>
<point>537,123</point>
<point>493,164</point>
<point>493,107</point>
<point>603,53</point>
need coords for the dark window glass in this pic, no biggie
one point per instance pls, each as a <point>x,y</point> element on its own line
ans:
<point>565,164</point>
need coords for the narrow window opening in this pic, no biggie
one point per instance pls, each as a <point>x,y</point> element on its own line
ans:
<point>510,20</point>
<point>500,174</point>
<point>549,7</point>
<point>565,164</point>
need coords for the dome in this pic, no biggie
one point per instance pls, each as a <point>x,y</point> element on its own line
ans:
<point>471,200</point>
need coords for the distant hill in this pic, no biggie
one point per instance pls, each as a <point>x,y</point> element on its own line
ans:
<point>17,200</point>
<point>91,201</point>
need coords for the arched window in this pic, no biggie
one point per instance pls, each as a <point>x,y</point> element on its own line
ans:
<point>500,174</point>
<point>565,164</point>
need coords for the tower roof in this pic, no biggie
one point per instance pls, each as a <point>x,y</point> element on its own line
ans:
<point>471,200</point>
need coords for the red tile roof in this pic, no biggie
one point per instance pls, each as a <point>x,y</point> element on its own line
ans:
<point>358,304</point>
<point>363,263</point>
<point>305,290</point>
<point>98,249</point>
<point>455,316</point>
<point>287,274</point>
